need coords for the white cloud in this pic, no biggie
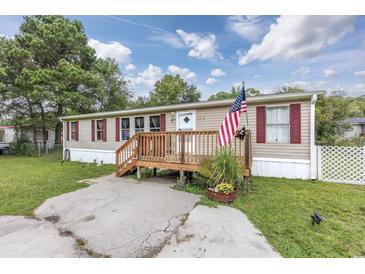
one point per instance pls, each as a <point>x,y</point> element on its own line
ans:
<point>148,77</point>
<point>201,47</point>
<point>256,76</point>
<point>329,73</point>
<point>217,72</point>
<point>130,67</point>
<point>360,73</point>
<point>298,37</point>
<point>168,38</point>
<point>113,49</point>
<point>211,81</point>
<point>303,70</point>
<point>185,73</point>
<point>247,27</point>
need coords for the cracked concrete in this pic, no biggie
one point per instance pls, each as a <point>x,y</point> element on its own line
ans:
<point>31,238</point>
<point>221,232</point>
<point>119,217</point>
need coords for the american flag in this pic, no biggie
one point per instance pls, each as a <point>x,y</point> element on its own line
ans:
<point>230,122</point>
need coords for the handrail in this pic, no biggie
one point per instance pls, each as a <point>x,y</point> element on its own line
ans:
<point>176,147</point>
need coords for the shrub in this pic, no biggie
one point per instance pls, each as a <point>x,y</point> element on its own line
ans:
<point>22,146</point>
<point>223,167</point>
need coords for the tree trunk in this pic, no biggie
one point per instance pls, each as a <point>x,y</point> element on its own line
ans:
<point>58,133</point>
<point>58,127</point>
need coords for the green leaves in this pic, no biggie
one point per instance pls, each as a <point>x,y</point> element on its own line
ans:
<point>48,70</point>
<point>173,90</point>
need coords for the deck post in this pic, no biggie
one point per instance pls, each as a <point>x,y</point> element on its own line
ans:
<point>181,182</point>
<point>138,173</point>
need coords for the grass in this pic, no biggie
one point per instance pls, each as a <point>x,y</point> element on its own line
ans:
<point>281,209</point>
<point>26,182</point>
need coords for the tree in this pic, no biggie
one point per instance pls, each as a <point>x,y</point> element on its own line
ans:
<point>289,89</point>
<point>48,70</point>
<point>173,90</point>
<point>331,111</point>
<point>235,91</point>
<point>252,92</point>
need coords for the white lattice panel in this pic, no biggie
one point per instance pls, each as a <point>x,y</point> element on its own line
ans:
<point>342,164</point>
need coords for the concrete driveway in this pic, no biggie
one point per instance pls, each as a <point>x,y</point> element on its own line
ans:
<point>119,217</point>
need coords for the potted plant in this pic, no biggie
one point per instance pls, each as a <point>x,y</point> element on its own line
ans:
<point>225,174</point>
<point>223,192</point>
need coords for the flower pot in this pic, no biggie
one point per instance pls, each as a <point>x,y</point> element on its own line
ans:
<point>220,196</point>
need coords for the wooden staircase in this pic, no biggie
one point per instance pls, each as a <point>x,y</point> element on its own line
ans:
<point>126,156</point>
<point>176,150</point>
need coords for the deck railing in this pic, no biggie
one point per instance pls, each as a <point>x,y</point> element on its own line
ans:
<point>179,147</point>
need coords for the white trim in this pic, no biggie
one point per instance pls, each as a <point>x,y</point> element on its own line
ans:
<point>262,99</point>
<point>91,150</point>
<point>281,160</point>
<point>193,111</point>
<point>313,150</point>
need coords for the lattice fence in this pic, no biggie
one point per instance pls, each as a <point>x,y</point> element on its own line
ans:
<point>341,164</point>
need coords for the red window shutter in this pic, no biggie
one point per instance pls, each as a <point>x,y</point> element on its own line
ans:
<point>163,122</point>
<point>92,130</point>
<point>261,124</point>
<point>117,129</point>
<point>68,131</point>
<point>295,124</point>
<point>77,130</point>
<point>104,130</point>
<point>46,135</point>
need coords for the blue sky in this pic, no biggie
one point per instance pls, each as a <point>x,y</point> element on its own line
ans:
<point>216,52</point>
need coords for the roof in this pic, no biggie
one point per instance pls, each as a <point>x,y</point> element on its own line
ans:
<point>357,120</point>
<point>265,98</point>
<point>7,126</point>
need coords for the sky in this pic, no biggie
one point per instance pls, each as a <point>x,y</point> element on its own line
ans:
<point>218,52</point>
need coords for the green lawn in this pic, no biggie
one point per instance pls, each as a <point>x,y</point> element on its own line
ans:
<point>25,182</point>
<point>281,209</point>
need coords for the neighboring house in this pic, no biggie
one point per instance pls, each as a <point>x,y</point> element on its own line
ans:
<point>50,136</point>
<point>357,127</point>
<point>282,127</point>
<point>7,134</point>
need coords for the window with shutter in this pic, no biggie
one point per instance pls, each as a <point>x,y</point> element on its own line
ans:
<point>277,124</point>
<point>295,124</point>
<point>260,124</point>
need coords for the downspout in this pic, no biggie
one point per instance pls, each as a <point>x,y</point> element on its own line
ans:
<point>313,151</point>
<point>63,139</point>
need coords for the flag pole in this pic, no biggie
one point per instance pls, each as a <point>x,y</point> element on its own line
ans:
<point>243,86</point>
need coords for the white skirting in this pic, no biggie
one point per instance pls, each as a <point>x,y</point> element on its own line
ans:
<point>269,167</point>
<point>92,155</point>
<point>281,168</point>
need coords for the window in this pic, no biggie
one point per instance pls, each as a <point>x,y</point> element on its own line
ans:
<point>277,124</point>
<point>155,123</point>
<point>99,130</point>
<point>139,124</point>
<point>125,128</point>
<point>73,131</point>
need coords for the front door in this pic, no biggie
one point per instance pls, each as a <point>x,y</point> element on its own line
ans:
<point>185,121</point>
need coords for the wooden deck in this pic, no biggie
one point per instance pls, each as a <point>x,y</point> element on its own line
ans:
<point>176,150</point>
